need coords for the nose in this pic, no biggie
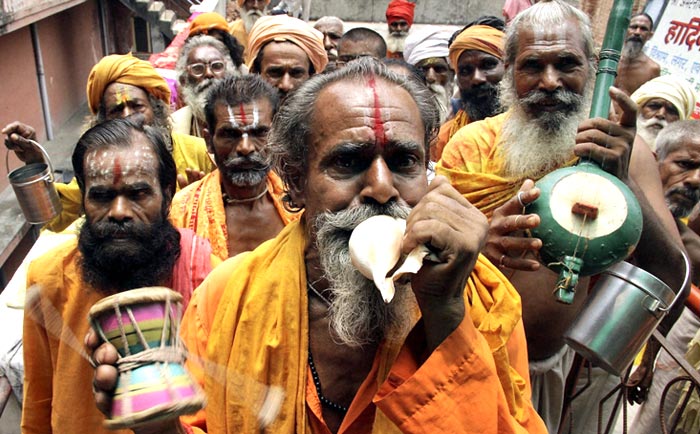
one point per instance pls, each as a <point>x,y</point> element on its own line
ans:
<point>379,183</point>
<point>327,43</point>
<point>208,73</point>
<point>478,77</point>
<point>120,209</point>
<point>693,178</point>
<point>286,83</point>
<point>550,79</point>
<point>661,113</point>
<point>245,145</point>
<point>430,76</point>
<point>127,111</point>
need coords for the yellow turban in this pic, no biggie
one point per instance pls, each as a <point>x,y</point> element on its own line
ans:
<point>241,2</point>
<point>482,38</point>
<point>283,28</point>
<point>206,21</point>
<point>675,90</point>
<point>125,69</point>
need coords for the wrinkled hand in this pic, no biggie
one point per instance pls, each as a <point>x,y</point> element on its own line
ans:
<point>607,142</point>
<point>192,176</point>
<point>104,382</point>
<point>455,231</point>
<point>17,136</point>
<point>504,246</point>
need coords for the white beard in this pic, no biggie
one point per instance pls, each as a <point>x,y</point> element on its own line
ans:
<point>249,18</point>
<point>195,97</point>
<point>395,42</point>
<point>442,97</point>
<point>646,131</point>
<point>358,314</point>
<point>530,150</point>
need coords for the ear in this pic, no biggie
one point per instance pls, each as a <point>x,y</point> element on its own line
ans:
<point>208,140</point>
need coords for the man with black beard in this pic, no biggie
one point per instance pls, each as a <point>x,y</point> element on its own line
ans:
<point>476,56</point>
<point>203,60</point>
<point>294,318</point>
<point>250,11</point>
<point>127,177</point>
<point>239,205</point>
<point>547,85</point>
<point>635,67</point>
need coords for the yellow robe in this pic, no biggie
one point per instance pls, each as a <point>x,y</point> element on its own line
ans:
<point>200,207</point>
<point>247,332</point>
<point>188,152</point>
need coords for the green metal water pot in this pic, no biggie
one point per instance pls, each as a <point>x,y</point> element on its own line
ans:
<point>590,220</point>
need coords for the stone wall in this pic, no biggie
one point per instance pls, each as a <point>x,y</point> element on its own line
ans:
<point>457,12</point>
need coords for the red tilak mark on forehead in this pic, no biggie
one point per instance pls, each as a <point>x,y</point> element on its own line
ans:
<point>379,136</point>
<point>243,119</point>
<point>117,171</point>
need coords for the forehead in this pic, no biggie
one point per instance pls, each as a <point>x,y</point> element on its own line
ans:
<point>275,53</point>
<point>658,101</point>
<point>258,111</point>
<point>118,91</point>
<point>137,160</point>
<point>360,107</point>
<point>562,37</point>
<point>330,28</point>
<point>432,61</point>
<point>204,52</point>
<point>640,21</point>
<point>689,147</point>
<point>475,57</point>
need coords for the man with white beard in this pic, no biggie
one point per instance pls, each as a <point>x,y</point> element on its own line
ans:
<point>548,81</point>
<point>250,11</point>
<point>661,101</point>
<point>202,61</point>
<point>295,315</point>
<point>399,18</point>
<point>635,67</point>
<point>427,50</point>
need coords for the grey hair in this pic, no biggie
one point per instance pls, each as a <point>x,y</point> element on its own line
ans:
<point>547,14</point>
<point>292,127</point>
<point>196,42</point>
<point>674,136</point>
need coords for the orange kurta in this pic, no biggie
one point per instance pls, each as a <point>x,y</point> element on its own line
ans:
<point>57,377</point>
<point>247,326</point>
<point>200,207</point>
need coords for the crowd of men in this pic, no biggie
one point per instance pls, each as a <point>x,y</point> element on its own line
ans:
<point>286,137</point>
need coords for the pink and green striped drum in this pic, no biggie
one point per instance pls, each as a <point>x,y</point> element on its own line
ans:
<point>153,384</point>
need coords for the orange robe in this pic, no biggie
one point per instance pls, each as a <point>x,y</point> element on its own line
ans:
<point>200,207</point>
<point>57,376</point>
<point>247,332</point>
<point>447,130</point>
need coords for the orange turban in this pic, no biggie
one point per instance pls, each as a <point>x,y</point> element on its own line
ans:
<point>241,2</point>
<point>125,69</point>
<point>400,9</point>
<point>283,28</point>
<point>482,38</point>
<point>202,23</point>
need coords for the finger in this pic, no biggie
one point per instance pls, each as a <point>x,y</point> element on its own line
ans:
<point>103,401</point>
<point>106,354</point>
<point>518,263</point>
<point>105,378</point>
<point>519,222</point>
<point>628,118</point>
<point>526,195</point>
<point>181,181</point>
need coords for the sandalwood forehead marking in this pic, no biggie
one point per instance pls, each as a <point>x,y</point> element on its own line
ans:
<point>231,117</point>
<point>121,94</point>
<point>378,126</point>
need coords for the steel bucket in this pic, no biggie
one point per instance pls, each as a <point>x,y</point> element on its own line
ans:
<point>34,188</point>
<point>623,309</point>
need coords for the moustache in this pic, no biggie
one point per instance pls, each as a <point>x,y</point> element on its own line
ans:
<point>348,219</point>
<point>400,33</point>
<point>481,90</point>
<point>108,230</point>
<point>692,194</point>
<point>635,38</point>
<point>203,85</point>
<point>566,98</point>
<point>254,162</point>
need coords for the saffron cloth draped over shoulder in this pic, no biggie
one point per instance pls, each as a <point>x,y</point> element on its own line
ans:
<point>248,326</point>
<point>126,69</point>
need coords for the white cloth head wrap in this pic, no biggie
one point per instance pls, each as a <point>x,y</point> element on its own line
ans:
<point>673,89</point>
<point>425,44</point>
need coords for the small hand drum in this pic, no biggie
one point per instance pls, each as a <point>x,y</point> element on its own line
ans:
<point>143,324</point>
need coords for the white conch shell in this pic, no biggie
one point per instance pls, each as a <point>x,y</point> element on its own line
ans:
<point>375,248</point>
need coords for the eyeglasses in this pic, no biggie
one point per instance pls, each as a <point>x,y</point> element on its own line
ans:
<point>199,69</point>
